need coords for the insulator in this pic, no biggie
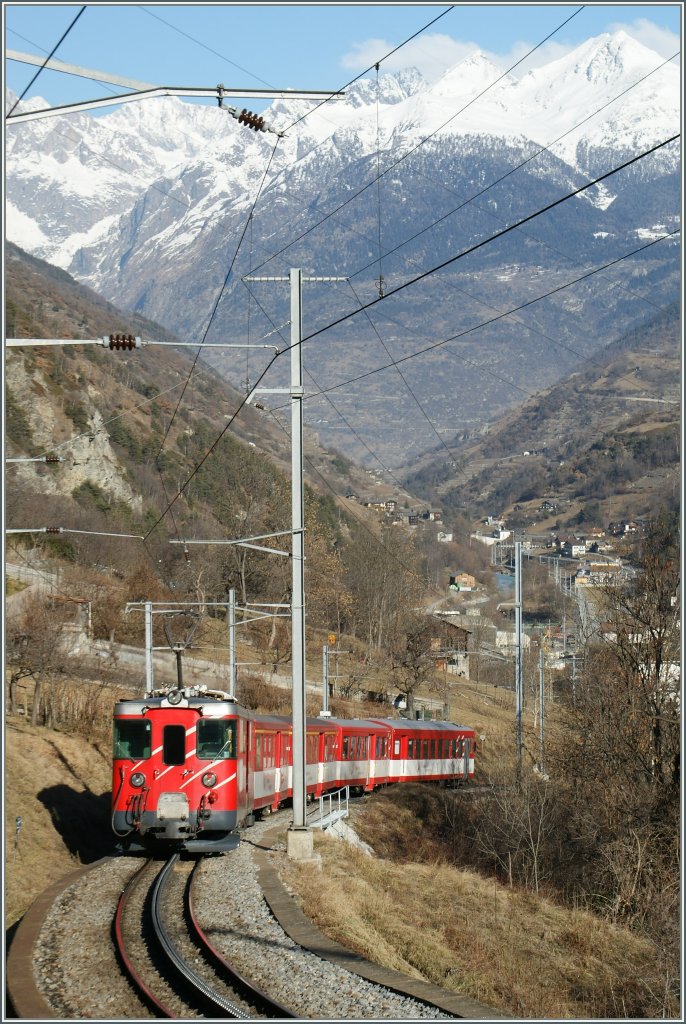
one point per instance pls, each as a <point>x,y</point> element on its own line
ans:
<point>53,529</point>
<point>123,341</point>
<point>52,458</point>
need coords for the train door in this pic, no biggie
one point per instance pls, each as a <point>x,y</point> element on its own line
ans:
<point>311,762</point>
<point>250,757</point>
<point>241,762</point>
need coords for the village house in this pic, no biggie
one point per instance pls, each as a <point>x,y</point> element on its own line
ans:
<point>597,573</point>
<point>448,647</point>
<point>573,547</point>
<point>462,581</point>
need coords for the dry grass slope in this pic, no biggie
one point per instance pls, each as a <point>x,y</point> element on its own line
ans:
<point>507,948</point>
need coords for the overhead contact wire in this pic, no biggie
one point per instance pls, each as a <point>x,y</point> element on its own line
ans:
<point>497,235</point>
<point>43,65</point>
<point>441,266</point>
<point>395,163</point>
<point>221,293</point>
<point>501,316</point>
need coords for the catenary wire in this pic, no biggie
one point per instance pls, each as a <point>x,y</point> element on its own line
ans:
<point>405,381</point>
<point>221,292</point>
<point>42,67</point>
<point>409,261</point>
<point>434,270</point>
<point>497,181</point>
<point>413,355</point>
<point>400,159</point>
<point>385,57</point>
<point>493,238</point>
<point>486,323</point>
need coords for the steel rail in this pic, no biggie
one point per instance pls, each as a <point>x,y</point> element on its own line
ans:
<point>252,991</point>
<point>145,993</point>
<point>190,976</point>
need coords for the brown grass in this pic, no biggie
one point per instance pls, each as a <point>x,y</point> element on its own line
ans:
<point>508,949</point>
<point>59,785</point>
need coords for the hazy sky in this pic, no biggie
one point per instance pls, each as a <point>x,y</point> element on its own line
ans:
<point>306,46</point>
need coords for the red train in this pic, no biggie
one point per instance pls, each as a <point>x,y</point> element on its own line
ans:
<point>192,766</point>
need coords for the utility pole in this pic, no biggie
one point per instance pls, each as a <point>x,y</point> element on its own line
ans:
<point>541,700</point>
<point>325,713</point>
<point>518,655</point>
<point>232,642</point>
<point>299,839</point>
<point>149,684</point>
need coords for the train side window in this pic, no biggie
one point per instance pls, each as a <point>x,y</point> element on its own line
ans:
<point>216,740</point>
<point>426,748</point>
<point>410,748</point>
<point>173,744</point>
<point>132,739</point>
<point>311,749</point>
<point>396,747</point>
<point>345,747</point>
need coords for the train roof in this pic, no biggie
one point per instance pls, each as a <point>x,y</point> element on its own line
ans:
<point>411,724</point>
<point>210,706</point>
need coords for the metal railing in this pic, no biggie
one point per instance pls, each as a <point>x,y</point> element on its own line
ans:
<point>332,807</point>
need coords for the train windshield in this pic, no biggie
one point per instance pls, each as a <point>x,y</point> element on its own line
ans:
<point>216,739</point>
<point>132,739</point>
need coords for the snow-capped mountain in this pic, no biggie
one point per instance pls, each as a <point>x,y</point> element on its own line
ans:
<point>148,205</point>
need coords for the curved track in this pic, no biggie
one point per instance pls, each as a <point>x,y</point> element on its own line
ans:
<point>158,940</point>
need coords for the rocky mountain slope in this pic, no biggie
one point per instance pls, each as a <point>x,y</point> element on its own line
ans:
<point>149,205</point>
<point>129,427</point>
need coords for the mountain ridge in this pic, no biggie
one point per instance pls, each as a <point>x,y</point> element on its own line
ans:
<point>161,244</point>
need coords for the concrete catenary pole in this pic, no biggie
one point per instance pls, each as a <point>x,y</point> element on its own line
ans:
<point>232,643</point>
<point>541,699</point>
<point>300,841</point>
<point>149,685</point>
<point>518,653</point>
<point>325,681</point>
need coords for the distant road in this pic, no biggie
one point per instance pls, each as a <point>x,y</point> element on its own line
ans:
<point>663,401</point>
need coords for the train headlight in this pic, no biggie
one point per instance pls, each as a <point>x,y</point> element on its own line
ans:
<point>175,697</point>
<point>209,779</point>
<point>137,780</point>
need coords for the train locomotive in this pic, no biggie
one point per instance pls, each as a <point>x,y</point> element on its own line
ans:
<point>191,766</point>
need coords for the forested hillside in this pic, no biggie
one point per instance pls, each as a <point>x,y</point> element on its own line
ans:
<point>605,443</point>
<point>150,452</point>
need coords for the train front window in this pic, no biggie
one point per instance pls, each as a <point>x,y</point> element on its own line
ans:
<point>216,739</point>
<point>174,744</point>
<point>132,739</point>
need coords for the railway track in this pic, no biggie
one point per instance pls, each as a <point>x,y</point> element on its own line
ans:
<point>190,939</point>
<point>169,960</point>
